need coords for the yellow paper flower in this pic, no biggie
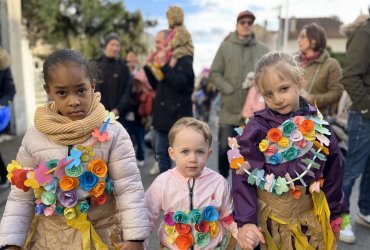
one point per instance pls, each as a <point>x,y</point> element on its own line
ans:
<point>38,192</point>
<point>169,229</point>
<point>87,152</point>
<point>263,145</point>
<point>31,181</point>
<point>214,229</point>
<point>11,167</point>
<point>171,238</point>
<point>70,213</point>
<point>310,136</point>
<point>283,142</point>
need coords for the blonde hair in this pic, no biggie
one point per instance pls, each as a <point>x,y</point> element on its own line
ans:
<point>175,16</point>
<point>189,122</point>
<point>279,63</point>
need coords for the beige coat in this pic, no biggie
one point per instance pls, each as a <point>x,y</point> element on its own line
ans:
<point>125,218</point>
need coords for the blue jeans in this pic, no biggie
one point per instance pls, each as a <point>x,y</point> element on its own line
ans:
<point>357,160</point>
<point>137,132</point>
<point>160,147</point>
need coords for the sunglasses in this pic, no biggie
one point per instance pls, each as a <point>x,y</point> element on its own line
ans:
<point>243,22</point>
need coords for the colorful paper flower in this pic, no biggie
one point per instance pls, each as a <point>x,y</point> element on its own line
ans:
<point>39,208</point>
<point>202,239</point>
<point>202,227</point>
<point>301,144</point>
<point>210,213</point>
<point>88,181</point>
<point>48,198</point>
<point>100,137</point>
<point>59,210</point>
<point>68,198</point>
<point>169,229</point>
<point>195,216</point>
<point>52,164</point>
<point>214,229</point>
<point>60,170</point>
<point>232,154</point>
<point>98,167</point>
<point>74,171</point>
<point>70,213</point>
<point>98,189</point>
<point>232,142</point>
<point>168,218</point>
<point>274,135</point>
<point>263,145</point>
<point>180,217</point>
<point>109,185</point>
<point>280,186</point>
<point>236,163</point>
<point>83,206</point>
<point>52,186</point>
<point>48,211</point>
<point>296,136</point>
<point>87,152</point>
<point>271,150</point>
<point>288,127</point>
<point>18,179</point>
<point>31,181</point>
<point>41,174</point>
<point>11,167</point>
<point>298,120</point>
<point>228,219</point>
<point>283,142</point>
<point>68,183</point>
<point>182,228</point>
<point>75,157</point>
<point>306,127</point>
<point>335,224</point>
<point>275,159</point>
<point>184,241</point>
<point>290,154</point>
<point>100,200</point>
<point>171,238</point>
<point>270,182</point>
<point>296,192</point>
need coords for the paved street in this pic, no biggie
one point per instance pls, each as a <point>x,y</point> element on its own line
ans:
<point>9,149</point>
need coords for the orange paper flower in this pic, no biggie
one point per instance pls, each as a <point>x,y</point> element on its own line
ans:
<point>306,127</point>
<point>98,167</point>
<point>274,135</point>
<point>236,163</point>
<point>296,193</point>
<point>324,149</point>
<point>68,183</point>
<point>182,228</point>
<point>98,189</point>
<point>184,241</point>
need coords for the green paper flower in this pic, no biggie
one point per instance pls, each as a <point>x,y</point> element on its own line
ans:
<point>180,217</point>
<point>202,239</point>
<point>59,210</point>
<point>288,127</point>
<point>74,171</point>
<point>290,154</point>
<point>83,206</point>
<point>48,198</point>
<point>52,164</point>
<point>195,216</point>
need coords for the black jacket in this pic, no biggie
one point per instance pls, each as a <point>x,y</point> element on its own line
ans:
<point>173,98</point>
<point>7,88</point>
<point>115,83</point>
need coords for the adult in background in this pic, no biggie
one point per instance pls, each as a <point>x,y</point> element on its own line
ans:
<point>356,81</point>
<point>322,73</point>
<point>115,83</point>
<point>234,59</point>
<point>135,119</point>
<point>7,92</point>
<point>173,98</point>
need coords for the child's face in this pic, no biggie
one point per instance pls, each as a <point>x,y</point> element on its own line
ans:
<point>190,152</point>
<point>280,95</point>
<point>71,89</point>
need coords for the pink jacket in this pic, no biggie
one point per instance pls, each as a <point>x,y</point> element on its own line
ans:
<point>169,192</point>
<point>119,155</point>
<point>253,103</point>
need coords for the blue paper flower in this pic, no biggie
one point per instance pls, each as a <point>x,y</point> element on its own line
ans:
<point>275,159</point>
<point>59,210</point>
<point>83,206</point>
<point>210,213</point>
<point>75,155</point>
<point>39,208</point>
<point>109,185</point>
<point>195,216</point>
<point>180,217</point>
<point>88,181</point>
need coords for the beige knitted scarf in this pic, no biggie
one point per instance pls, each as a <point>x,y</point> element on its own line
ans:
<point>62,130</point>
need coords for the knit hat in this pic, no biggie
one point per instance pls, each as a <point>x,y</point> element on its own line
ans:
<point>109,37</point>
<point>246,13</point>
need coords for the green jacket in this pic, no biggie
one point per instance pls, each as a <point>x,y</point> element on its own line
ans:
<point>234,59</point>
<point>322,80</point>
<point>356,71</point>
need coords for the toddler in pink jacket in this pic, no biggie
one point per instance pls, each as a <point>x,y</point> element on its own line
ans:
<point>195,200</point>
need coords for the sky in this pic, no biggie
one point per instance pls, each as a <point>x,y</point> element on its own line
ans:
<point>209,21</point>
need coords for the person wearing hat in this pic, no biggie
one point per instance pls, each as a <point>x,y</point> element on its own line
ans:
<point>234,59</point>
<point>115,80</point>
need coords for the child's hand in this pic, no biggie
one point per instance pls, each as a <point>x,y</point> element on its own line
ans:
<point>150,57</point>
<point>249,236</point>
<point>130,245</point>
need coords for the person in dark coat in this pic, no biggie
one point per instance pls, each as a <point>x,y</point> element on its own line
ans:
<point>172,101</point>
<point>7,92</point>
<point>115,83</point>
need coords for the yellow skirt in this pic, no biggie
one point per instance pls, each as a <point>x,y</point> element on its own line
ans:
<point>283,217</point>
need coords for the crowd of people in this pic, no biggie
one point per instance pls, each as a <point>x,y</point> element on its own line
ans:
<point>76,179</point>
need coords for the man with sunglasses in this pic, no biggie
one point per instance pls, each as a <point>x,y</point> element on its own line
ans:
<point>234,59</point>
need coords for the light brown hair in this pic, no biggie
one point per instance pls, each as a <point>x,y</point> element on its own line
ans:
<point>189,122</point>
